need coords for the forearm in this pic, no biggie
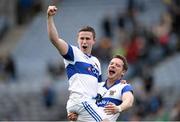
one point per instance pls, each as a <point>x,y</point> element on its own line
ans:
<point>127,101</point>
<point>52,31</point>
<point>60,44</point>
<point>126,104</point>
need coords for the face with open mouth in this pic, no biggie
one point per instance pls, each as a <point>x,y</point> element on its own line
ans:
<point>86,41</point>
<point>115,69</point>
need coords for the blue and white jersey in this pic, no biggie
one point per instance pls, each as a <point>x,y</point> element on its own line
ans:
<point>113,95</point>
<point>83,71</point>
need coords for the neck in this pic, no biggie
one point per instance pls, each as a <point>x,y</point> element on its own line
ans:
<point>110,82</point>
<point>88,54</point>
<point>86,51</point>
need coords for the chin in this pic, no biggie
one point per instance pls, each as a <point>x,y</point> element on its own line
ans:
<point>84,50</point>
<point>110,77</point>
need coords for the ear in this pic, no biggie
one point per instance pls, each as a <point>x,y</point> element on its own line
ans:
<point>123,73</point>
<point>94,41</point>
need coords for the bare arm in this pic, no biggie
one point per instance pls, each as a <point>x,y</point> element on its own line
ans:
<point>59,43</point>
<point>127,102</point>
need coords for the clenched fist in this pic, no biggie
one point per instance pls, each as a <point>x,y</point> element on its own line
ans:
<point>51,11</point>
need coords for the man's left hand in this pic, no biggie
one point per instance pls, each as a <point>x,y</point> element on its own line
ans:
<point>111,108</point>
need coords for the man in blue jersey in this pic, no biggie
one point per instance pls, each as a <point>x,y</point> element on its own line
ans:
<point>83,70</point>
<point>114,96</point>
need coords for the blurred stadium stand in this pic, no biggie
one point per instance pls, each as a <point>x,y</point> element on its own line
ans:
<point>36,89</point>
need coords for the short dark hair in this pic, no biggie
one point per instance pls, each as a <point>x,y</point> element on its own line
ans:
<point>89,29</point>
<point>125,66</point>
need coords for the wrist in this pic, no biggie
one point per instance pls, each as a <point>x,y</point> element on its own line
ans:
<point>119,109</point>
<point>48,16</point>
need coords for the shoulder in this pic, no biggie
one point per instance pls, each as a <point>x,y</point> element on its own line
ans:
<point>127,87</point>
<point>95,59</point>
<point>127,84</point>
<point>74,47</point>
<point>72,53</point>
<point>76,50</point>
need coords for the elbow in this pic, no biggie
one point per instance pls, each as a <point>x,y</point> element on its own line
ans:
<point>53,38</point>
<point>131,103</point>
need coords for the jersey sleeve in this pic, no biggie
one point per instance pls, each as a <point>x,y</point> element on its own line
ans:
<point>127,88</point>
<point>70,54</point>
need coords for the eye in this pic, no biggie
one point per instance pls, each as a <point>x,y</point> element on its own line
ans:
<point>118,65</point>
<point>87,38</point>
<point>81,38</point>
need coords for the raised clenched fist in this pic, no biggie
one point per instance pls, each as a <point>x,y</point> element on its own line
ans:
<point>51,11</point>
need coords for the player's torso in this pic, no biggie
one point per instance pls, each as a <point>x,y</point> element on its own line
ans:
<point>83,74</point>
<point>113,94</point>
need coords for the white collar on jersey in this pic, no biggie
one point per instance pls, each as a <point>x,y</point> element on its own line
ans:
<point>88,55</point>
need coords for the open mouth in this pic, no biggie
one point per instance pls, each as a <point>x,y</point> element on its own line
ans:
<point>84,47</point>
<point>111,72</point>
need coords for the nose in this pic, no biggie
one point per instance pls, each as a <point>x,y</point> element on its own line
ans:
<point>84,41</point>
<point>112,65</point>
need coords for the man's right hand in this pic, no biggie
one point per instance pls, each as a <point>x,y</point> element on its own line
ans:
<point>72,116</point>
<point>124,81</point>
<point>51,11</point>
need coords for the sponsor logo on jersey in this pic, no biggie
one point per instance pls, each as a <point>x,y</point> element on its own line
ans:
<point>111,92</point>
